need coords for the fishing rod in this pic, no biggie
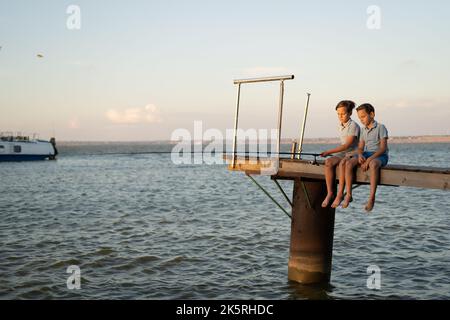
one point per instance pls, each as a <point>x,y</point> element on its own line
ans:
<point>212,152</point>
<point>237,153</point>
<point>292,154</point>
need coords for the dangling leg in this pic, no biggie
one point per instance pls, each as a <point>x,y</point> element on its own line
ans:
<point>374,168</point>
<point>349,167</point>
<point>330,165</point>
<point>340,191</point>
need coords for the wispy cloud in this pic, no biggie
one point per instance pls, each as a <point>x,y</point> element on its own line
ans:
<point>74,123</point>
<point>409,63</point>
<point>265,71</point>
<point>419,103</point>
<point>82,65</point>
<point>148,114</point>
<point>429,104</point>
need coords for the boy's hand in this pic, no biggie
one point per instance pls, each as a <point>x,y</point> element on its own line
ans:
<point>324,154</point>
<point>361,159</point>
<point>365,165</point>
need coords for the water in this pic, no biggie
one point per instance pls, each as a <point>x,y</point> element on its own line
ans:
<point>140,227</point>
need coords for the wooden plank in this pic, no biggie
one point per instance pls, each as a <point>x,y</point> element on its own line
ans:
<point>391,175</point>
<point>251,165</point>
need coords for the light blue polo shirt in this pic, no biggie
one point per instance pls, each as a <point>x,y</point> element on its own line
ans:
<point>372,137</point>
<point>350,128</point>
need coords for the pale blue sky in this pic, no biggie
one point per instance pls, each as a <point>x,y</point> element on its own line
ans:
<point>137,70</point>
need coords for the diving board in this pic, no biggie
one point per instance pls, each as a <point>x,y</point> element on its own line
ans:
<point>391,175</point>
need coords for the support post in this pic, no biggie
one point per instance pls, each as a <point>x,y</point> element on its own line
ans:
<point>312,231</point>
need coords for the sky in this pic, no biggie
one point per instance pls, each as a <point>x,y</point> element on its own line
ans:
<point>139,70</point>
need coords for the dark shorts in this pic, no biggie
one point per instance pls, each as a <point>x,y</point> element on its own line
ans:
<point>384,158</point>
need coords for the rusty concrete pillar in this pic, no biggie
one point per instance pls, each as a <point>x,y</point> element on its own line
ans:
<point>312,231</point>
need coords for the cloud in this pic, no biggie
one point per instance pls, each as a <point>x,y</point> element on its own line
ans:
<point>148,114</point>
<point>265,71</point>
<point>401,104</point>
<point>409,63</point>
<point>81,65</point>
<point>428,103</point>
<point>437,105</point>
<point>74,123</point>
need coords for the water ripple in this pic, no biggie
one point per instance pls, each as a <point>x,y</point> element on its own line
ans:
<point>140,227</point>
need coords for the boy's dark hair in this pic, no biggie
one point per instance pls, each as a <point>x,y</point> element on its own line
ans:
<point>366,107</point>
<point>347,104</point>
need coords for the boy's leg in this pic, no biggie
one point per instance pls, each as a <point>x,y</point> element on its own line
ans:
<point>342,165</point>
<point>374,168</point>
<point>330,165</point>
<point>350,165</point>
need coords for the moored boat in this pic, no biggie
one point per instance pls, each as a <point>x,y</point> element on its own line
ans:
<point>25,148</point>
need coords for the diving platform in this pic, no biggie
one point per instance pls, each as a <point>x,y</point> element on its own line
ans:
<point>391,175</point>
<point>312,226</point>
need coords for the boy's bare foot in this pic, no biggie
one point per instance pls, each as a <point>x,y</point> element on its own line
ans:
<point>327,200</point>
<point>369,205</point>
<point>336,201</point>
<point>347,200</point>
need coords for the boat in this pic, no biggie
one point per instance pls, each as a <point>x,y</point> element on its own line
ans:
<point>18,147</point>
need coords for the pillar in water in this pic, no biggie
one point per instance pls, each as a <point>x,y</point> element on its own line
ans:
<point>312,231</point>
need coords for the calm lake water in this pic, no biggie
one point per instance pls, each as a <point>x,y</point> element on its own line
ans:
<point>140,227</point>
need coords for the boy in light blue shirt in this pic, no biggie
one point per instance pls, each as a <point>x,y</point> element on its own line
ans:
<point>349,135</point>
<point>373,153</point>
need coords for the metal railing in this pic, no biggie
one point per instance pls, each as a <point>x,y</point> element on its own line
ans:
<point>264,79</point>
<point>280,108</point>
<point>18,136</point>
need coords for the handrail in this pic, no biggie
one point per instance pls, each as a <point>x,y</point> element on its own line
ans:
<point>264,79</point>
<point>280,110</point>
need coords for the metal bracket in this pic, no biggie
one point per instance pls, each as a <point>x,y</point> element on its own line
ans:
<point>267,194</point>
<point>306,195</point>
<point>284,193</point>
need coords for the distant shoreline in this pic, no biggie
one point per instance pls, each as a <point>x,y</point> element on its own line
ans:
<point>399,139</point>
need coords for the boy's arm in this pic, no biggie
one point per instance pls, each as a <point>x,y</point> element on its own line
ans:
<point>380,151</point>
<point>361,145</point>
<point>348,142</point>
<point>383,144</point>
